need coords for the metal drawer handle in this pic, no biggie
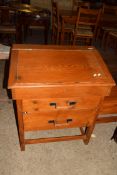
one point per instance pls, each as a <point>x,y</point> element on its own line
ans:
<point>51,121</point>
<point>59,124</point>
<point>69,120</point>
<point>72,103</point>
<point>53,104</point>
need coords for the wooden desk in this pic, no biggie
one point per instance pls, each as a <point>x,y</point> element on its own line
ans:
<point>57,87</point>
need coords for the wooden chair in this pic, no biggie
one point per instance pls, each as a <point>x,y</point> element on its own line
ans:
<point>68,23</point>
<point>79,3</point>
<point>7,24</point>
<point>86,24</point>
<point>59,26</point>
<point>105,31</point>
<point>104,28</point>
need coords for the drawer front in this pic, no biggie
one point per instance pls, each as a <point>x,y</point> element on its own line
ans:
<point>58,120</point>
<point>54,104</point>
<point>60,91</point>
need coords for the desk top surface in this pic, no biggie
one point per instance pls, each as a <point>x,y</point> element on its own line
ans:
<point>40,66</point>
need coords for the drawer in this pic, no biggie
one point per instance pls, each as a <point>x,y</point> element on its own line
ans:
<point>58,120</point>
<point>59,91</point>
<point>60,104</point>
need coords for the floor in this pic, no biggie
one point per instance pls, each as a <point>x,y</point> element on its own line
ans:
<point>99,157</point>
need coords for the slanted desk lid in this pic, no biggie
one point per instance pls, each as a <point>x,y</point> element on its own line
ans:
<point>54,65</point>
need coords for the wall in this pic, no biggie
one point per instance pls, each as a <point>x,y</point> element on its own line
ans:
<point>63,4</point>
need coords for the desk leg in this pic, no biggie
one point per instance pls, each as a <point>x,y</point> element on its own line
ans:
<point>88,133</point>
<point>20,124</point>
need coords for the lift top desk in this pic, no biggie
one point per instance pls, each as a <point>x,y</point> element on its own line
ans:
<point>57,87</point>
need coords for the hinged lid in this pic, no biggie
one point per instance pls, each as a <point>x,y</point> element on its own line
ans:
<point>33,65</point>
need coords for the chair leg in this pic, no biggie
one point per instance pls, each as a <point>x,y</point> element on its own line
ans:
<point>104,39</point>
<point>97,35</point>
<point>74,40</point>
<point>57,37</point>
<point>61,37</point>
<point>88,132</point>
<point>107,42</point>
<point>53,36</point>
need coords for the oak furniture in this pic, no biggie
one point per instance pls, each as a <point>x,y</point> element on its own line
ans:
<point>57,87</point>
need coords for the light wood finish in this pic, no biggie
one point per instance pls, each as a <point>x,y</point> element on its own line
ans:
<point>62,87</point>
<point>54,139</point>
<point>58,119</point>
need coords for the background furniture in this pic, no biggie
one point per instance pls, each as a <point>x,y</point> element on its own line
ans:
<point>112,40</point>
<point>61,24</point>
<point>108,110</point>
<point>30,17</point>
<point>46,99</point>
<point>86,24</point>
<point>79,3</point>
<point>68,22</point>
<point>56,25</point>
<point>8,26</point>
<point>108,22</point>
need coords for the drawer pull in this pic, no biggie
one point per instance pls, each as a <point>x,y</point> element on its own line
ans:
<point>51,121</point>
<point>69,120</point>
<point>53,104</point>
<point>58,124</point>
<point>72,103</point>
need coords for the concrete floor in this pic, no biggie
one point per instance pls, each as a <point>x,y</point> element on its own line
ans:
<point>99,157</point>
